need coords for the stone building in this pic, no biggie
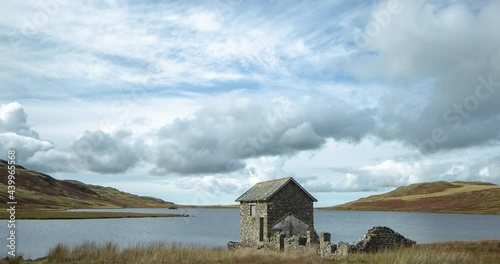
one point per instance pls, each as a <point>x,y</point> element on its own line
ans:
<point>276,206</point>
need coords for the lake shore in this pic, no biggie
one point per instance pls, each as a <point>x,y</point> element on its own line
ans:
<point>53,215</point>
<point>231,206</point>
<point>416,210</point>
<point>486,251</point>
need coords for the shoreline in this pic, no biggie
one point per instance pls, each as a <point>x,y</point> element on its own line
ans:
<point>71,215</point>
<point>403,211</point>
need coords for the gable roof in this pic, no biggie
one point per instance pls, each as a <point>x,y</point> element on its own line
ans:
<point>263,191</point>
<point>287,215</point>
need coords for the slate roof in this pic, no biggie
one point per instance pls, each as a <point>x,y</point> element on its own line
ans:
<point>263,191</point>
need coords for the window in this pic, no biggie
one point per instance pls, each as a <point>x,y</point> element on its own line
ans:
<point>252,209</point>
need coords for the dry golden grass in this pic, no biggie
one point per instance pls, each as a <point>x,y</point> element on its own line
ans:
<point>159,253</point>
<point>449,252</point>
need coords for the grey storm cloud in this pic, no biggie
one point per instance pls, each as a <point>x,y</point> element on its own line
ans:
<point>219,139</point>
<point>443,62</point>
<point>103,152</point>
<point>437,65</point>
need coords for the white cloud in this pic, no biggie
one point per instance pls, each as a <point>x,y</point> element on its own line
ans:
<point>204,21</point>
<point>24,146</point>
<point>395,173</point>
<point>14,119</point>
<point>381,176</point>
<point>15,133</point>
<point>484,172</point>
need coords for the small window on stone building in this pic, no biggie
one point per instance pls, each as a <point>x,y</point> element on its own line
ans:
<point>252,209</point>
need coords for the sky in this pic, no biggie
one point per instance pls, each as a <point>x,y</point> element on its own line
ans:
<point>195,101</point>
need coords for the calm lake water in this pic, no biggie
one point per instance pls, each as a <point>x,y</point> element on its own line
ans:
<point>215,227</point>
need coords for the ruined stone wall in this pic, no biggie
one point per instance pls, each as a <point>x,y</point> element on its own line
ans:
<point>290,199</point>
<point>381,237</point>
<point>377,238</point>
<point>295,243</point>
<point>326,248</point>
<point>249,225</point>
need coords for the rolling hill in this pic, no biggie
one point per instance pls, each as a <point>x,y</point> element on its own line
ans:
<point>35,190</point>
<point>444,197</point>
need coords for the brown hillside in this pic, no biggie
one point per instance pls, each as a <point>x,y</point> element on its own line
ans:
<point>454,197</point>
<point>37,190</point>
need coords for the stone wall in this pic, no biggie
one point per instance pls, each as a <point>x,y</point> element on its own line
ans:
<point>381,237</point>
<point>249,225</point>
<point>290,199</point>
<point>326,248</point>
<point>343,248</point>
<point>377,238</point>
<point>291,225</point>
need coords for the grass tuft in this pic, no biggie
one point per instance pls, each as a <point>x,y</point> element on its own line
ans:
<point>487,251</point>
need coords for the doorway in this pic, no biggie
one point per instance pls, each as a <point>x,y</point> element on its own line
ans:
<point>261,229</point>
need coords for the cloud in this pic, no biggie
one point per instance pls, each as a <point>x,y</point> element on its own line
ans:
<point>14,119</point>
<point>24,146</point>
<point>176,45</point>
<point>268,81</point>
<point>223,134</point>
<point>98,151</point>
<point>220,137</point>
<point>443,62</point>
<point>15,133</point>
<point>107,153</point>
<point>485,169</point>
<point>381,176</point>
<point>212,184</point>
<point>301,137</point>
<point>53,160</point>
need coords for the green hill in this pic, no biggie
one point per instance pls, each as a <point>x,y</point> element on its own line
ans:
<point>35,190</point>
<point>450,197</point>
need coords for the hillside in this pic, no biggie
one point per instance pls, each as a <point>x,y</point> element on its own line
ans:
<point>35,190</point>
<point>451,197</point>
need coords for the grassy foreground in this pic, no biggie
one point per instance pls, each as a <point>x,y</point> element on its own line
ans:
<point>487,251</point>
<point>46,215</point>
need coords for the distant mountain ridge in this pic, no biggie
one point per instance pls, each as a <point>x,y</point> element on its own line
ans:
<point>37,190</point>
<point>441,196</point>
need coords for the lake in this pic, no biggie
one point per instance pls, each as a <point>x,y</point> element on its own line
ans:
<point>215,227</point>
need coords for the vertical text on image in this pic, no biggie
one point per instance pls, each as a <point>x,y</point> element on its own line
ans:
<point>11,202</point>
